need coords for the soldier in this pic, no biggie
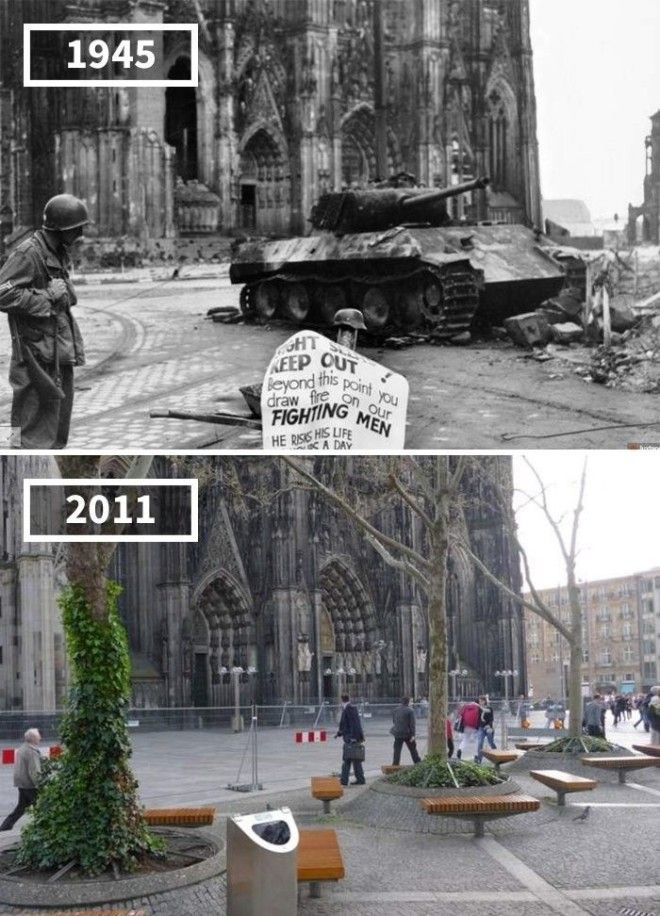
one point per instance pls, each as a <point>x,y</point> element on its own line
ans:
<point>37,295</point>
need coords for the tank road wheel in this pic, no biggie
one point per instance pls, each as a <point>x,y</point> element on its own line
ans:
<point>433,299</point>
<point>246,300</point>
<point>295,302</point>
<point>328,299</point>
<point>266,299</point>
<point>375,307</point>
<point>410,299</point>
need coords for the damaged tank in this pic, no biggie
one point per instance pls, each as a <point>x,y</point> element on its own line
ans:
<point>375,250</point>
<point>395,254</point>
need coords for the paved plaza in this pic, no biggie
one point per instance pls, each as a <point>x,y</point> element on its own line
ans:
<point>150,346</point>
<point>538,864</point>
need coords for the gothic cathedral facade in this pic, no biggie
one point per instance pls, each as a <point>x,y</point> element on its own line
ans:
<point>295,97</point>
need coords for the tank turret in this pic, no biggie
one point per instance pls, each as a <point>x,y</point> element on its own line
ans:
<point>382,208</point>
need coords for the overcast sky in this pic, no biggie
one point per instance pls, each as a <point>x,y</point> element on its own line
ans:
<point>597,74</point>
<point>619,530</point>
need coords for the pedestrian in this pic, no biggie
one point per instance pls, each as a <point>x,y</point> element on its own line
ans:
<point>423,708</point>
<point>350,729</point>
<point>403,731</point>
<point>486,728</point>
<point>643,709</point>
<point>594,717</point>
<point>27,770</point>
<point>521,711</point>
<point>37,294</point>
<point>469,720</point>
<point>449,732</point>
<point>654,715</point>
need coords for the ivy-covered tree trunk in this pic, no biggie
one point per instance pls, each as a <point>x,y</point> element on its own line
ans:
<point>88,811</point>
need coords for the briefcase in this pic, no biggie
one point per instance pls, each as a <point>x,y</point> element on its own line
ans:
<point>353,751</point>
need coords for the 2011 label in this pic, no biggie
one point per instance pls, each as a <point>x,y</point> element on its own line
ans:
<point>99,510</point>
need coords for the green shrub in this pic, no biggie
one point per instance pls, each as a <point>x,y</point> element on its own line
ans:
<point>581,745</point>
<point>435,773</point>
<point>87,810</point>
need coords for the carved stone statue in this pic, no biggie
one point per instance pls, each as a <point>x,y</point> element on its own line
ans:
<point>304,657</point>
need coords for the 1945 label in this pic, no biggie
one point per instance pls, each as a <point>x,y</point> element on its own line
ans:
<point>109,54</point>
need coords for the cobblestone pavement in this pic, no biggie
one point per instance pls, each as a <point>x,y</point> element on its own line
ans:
<point>150,346</point>
<point>542,864</point>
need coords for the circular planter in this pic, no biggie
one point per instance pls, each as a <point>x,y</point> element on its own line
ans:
<point>571,761</point>
<point>19,890</point>
<point>506,787</point>
<point>392,807</point>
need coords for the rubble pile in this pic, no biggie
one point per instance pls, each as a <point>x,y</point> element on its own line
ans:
<point>631,365</point>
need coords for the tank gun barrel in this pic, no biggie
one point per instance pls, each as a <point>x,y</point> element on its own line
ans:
<point>426,197</point>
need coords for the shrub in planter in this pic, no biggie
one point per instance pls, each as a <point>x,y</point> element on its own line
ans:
<point>435,773</point>
<point>583,745</point>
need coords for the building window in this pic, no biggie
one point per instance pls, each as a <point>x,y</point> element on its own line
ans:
<point>628,654</point>
<point>585,655</point>
<point>606,657</point>
<point>605,631</point>
<point>1,660</point>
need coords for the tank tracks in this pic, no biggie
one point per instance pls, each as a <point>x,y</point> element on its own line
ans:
<point>437,299</point>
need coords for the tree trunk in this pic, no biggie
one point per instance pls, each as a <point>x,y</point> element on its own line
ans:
<point>437,611</point>
<point>575,692</point>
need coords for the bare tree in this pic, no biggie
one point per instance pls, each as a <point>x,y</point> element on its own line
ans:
<point>568,546</point>
<point>429,487</point>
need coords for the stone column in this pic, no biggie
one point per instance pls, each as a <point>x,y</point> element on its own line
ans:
<point>38,610</point>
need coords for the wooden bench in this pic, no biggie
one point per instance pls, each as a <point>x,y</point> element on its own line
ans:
<point>651,750</point>
<point>562,783</point>
<point>179,817</point>
<point>621,764</point>
<point>480,808</point>
<point>497,758</point>
<point>530,745</point>
<point>390,768</point>
<point>91,913</point>
<point>319,859</point>
<point>326,789</point>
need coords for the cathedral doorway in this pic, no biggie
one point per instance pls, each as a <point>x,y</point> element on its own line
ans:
<point>264,186</point>
<point>348,633</point>
<point>181,121</point>
<point>230,642</point>
<point>200,688</point>
<point>358,150</point>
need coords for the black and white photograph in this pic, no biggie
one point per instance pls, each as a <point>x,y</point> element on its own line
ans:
<point>464,192</point>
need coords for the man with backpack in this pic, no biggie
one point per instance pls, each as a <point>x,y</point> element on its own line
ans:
<point>469,720</point>
<point>486,728</point>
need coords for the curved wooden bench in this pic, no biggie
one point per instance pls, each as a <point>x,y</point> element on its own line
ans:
<point>497,758</point>
<point>389,768</point>
<point>621,764</point>
<point>530,745</point>
<point>179,817</point>
<point>651,750</point>
<point>319,859</point>
<point>563,782</point>
<point>91,913</point>
<point>480,808</point>
<point>326,789</point>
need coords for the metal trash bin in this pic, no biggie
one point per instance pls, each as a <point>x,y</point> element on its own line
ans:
<point>262,864</point>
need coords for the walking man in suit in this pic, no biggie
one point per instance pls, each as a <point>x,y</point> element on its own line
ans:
<point>350,729</point>
<point>403,731</point>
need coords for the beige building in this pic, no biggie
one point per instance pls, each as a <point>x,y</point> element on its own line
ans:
<point>621,630</point>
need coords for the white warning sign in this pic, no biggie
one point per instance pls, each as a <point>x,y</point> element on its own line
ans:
<point>320,395</point>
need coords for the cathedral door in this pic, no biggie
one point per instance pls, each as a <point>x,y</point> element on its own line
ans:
<point>200,690</point>
<point>181,121</point>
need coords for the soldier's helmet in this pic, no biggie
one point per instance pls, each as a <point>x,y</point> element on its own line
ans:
<point>63,212</point>
<point>350,318</point>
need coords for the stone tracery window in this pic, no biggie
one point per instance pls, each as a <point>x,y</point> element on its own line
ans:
<point>498,140</point>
